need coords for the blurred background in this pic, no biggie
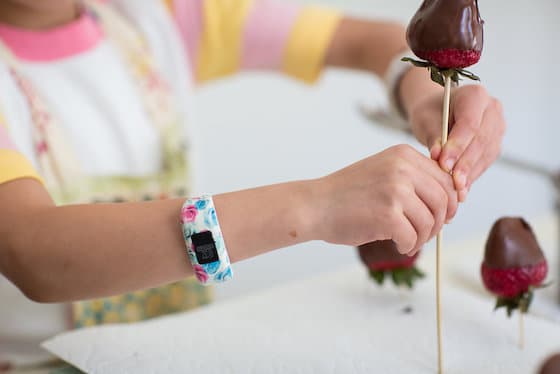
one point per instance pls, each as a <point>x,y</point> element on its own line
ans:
<point>260,128</point>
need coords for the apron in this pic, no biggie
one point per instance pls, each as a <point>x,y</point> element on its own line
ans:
<point>67,184</point>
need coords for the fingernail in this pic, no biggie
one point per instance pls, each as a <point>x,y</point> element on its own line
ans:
<point>449,165</point>
<point>435,152</point>
<point>461,180</point>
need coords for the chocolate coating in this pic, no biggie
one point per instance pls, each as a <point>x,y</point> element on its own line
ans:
<point>382,250</point>
<point>551,366</point>
<point>383,254</point>
<point>446,25</point>
<point>512,243</point>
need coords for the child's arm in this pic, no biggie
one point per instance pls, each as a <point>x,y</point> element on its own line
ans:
<point>478,122</point>
<point>86,251</point>
<point>224,37</point>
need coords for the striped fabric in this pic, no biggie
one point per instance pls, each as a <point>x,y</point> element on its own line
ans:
<point>13,165</point>
<point>225,36</point>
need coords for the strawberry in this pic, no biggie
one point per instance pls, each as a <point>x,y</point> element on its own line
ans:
<point>551,366</point>
<point>514,264</point>
<point>449,35</point>
<point>382,259</point>
<point>450,58</point>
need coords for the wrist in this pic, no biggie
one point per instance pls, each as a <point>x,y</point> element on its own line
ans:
<point>306,209</point>
<point>315,208</point>
<point>413,89</point>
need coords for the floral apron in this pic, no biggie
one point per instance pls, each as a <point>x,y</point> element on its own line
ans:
<point>68,185</point>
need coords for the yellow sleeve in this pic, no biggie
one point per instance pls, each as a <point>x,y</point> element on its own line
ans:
<point>13,165</point>
<point>309,41</point>
<point>225,36</point>
<point>219,51</point>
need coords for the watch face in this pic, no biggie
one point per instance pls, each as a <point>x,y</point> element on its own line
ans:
<point>204,247</point>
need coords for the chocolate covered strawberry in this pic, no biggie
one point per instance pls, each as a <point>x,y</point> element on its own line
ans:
<point>382,259</point>
<point>514,264</point>
<point>449,35</point>
<point>551,365</point>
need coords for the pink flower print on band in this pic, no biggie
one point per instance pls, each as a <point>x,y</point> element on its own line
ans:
<point>188,214</point>
<point>201,275</point>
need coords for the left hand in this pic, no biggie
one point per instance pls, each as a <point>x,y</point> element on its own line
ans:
<point>477,127</point>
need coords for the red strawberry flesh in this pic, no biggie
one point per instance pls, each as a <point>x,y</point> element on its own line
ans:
<point>450,58</point>
<point>514,264</point>
<point>511,282</point>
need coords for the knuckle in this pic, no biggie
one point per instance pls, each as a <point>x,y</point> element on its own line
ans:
<point>482,138</point>
<point>479,91</point>
<point>497,105</point>
<point>427,225</point>
<point>400,190</point>
<point>403,150</point>
<point>463,167</point>
<point>394,218</point>
<point>468,123</point>
<point>400,170</point>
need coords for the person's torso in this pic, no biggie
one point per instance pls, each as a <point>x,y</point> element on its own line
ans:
<point>93,95</point>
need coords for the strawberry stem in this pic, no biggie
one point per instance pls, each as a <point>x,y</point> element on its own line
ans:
<point>400,277</point>
<point>438,74</point>
<point>521,302</point>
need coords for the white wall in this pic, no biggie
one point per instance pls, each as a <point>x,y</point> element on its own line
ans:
<point>259,129</point>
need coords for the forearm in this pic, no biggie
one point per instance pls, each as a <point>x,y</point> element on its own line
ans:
<point>86,251</point>
<point>371,46</point>
<point>366,45</point>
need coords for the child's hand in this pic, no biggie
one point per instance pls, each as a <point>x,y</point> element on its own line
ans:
<point>398,194</point>
<point>477,128</point>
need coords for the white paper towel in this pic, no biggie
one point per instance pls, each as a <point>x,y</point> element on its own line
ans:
<point>340,323</point>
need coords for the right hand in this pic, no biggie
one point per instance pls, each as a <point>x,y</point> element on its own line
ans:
<point>398,194</point>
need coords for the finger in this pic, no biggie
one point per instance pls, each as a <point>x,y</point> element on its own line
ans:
<point>435,150</point>
<point>432,169</point>
<point>426,125</point>
<point>474,155</point>
<point>414,252</point>
<point>467,115</point>
<point>404,234</point>
<point>434,196</point>
<point>491,153</point>
<point>421,218</point>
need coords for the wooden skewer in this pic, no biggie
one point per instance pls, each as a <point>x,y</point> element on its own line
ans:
<point>521,331</point>
<point>444,136</point>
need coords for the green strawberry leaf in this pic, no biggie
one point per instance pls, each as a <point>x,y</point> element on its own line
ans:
<point>397,277</point>
<point>417,273</point>
<point>438,74</point>
<point>521,302</point>
<point>417,63</point>
<point>468,74</point>
<point>378,276</point>
<point>408,281</point>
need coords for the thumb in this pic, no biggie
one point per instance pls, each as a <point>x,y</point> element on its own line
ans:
<point>435,148</point>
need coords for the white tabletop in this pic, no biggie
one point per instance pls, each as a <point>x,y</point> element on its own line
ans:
<point>336,323</point>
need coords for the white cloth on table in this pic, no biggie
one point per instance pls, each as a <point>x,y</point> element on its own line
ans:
<point>336,323</point>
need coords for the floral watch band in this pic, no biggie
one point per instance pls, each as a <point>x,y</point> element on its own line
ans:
<point>204,241</point>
